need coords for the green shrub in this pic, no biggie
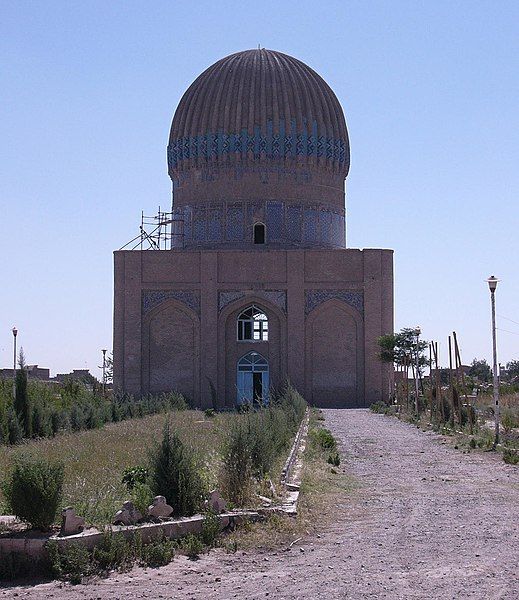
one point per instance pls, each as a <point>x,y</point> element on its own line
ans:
<point>22,404</point>
<point>509,420</point>
<point>142,497</point>
<point>14,427</point>
<point>511,456</point>
<point>324,439</point>
<point>133,476</point>
<point>114,553</point>
<point>72,563</point>
<point>174,474</point>
<point>210,529</point>
<point>237,464</point>
<point>192,545</point>
<point>18,564</point>
<point>158,553</point>
<point>33,490</point>
<point>379,407</point>
<point>210,413</point>
<point>334,459</point>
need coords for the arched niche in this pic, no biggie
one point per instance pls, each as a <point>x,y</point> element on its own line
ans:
<point>334,365</point>
<point>231,349</point>
<point>171,350</point>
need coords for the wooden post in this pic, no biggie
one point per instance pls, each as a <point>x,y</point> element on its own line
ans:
<point>460,367</point>
<point>433,403</point>
<point>451,384</point>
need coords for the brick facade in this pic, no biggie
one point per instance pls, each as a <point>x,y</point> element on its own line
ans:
<point>176,314</point>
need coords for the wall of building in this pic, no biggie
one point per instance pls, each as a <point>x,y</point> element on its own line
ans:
<point>175,317</point>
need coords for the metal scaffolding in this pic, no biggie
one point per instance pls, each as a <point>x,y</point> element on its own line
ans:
<point>155,233</point>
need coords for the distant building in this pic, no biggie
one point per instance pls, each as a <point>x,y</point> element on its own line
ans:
<point>36,373</point>
<point>33,372</point>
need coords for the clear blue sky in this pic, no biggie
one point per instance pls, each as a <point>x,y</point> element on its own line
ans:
<point>88,90</point>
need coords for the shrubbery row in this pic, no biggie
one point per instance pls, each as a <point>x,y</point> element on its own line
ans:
<point>40,411</point>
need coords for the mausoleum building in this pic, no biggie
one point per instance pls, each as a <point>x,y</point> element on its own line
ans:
<point>256,284</point>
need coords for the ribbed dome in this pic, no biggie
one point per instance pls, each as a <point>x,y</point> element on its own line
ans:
<point>259,104</point>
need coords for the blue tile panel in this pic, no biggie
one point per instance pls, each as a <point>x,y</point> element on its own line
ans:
<point>283,144</point>
<point>290,224</point>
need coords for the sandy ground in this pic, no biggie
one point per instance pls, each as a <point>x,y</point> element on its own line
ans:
<point>427,522</point>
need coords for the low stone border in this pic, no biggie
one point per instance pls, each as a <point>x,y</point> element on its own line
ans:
<point>35,547</point>
<point>292,471</point>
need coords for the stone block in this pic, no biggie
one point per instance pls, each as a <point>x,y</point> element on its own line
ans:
<point>128,515</point>
<point>160,508</point>
<point>70,522</point>
<point>215,502</point>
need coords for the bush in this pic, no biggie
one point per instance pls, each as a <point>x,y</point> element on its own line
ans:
<point>22,404</point>
<point>324,439</point>
<point>210,529</point>
<point>237,465</point>
<point>256,440</point>
<point>134,475</point>
<point>158,553</point>
<point>174,474</point>
<point>33,491</point>
<point>14,427</point>
<point>334,459</point>
<point>192,546</point>
<point>509,420</point>
<point>70,564</point>
<point>114,552</point>
<point>142,497</point>
<point>511,456</point>
<point>379,407</point>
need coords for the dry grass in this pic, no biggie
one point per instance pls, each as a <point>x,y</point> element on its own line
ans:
<point>95,460</point>
<point>321,487</point>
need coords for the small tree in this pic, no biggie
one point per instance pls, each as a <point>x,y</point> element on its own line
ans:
<point>513,369</point>
<point>480,370</point>
<point>22,403</point>
<point>33,491</point>
<point>174,474</point>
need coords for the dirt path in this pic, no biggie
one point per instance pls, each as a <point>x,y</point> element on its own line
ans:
<point>428,522</point>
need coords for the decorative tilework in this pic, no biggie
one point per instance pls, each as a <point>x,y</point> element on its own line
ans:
<point>235,223</point>
<point>293,223</point>
<point>285,222</point>
<point>315,297</point>
<point>260,143</point>
<point>276,297</point>
<point>274,218</point>
<point>311,226</point>
<point>152,298</point>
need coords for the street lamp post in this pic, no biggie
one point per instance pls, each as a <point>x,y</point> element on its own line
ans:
<point>15,333</point>
<point>104,371</point>
<point>417,361</point>
<point>492,284</point>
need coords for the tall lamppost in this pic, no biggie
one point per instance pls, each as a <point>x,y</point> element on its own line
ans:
<point>104,371</point>
<point>492,284</point>
<point>417,332</point>
<point>15,333</point>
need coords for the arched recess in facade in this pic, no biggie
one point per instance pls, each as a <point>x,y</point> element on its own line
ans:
<point>231,350</point>
<point>334,357</point>
<point>171,350</point>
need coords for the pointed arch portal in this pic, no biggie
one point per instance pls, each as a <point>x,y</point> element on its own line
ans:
<point>252,379</point>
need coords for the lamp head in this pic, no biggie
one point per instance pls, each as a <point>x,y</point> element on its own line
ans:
<point>15,331</point>
<point>492,283</point>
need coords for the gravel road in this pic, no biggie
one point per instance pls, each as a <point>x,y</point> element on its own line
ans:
<point>426,522</point>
